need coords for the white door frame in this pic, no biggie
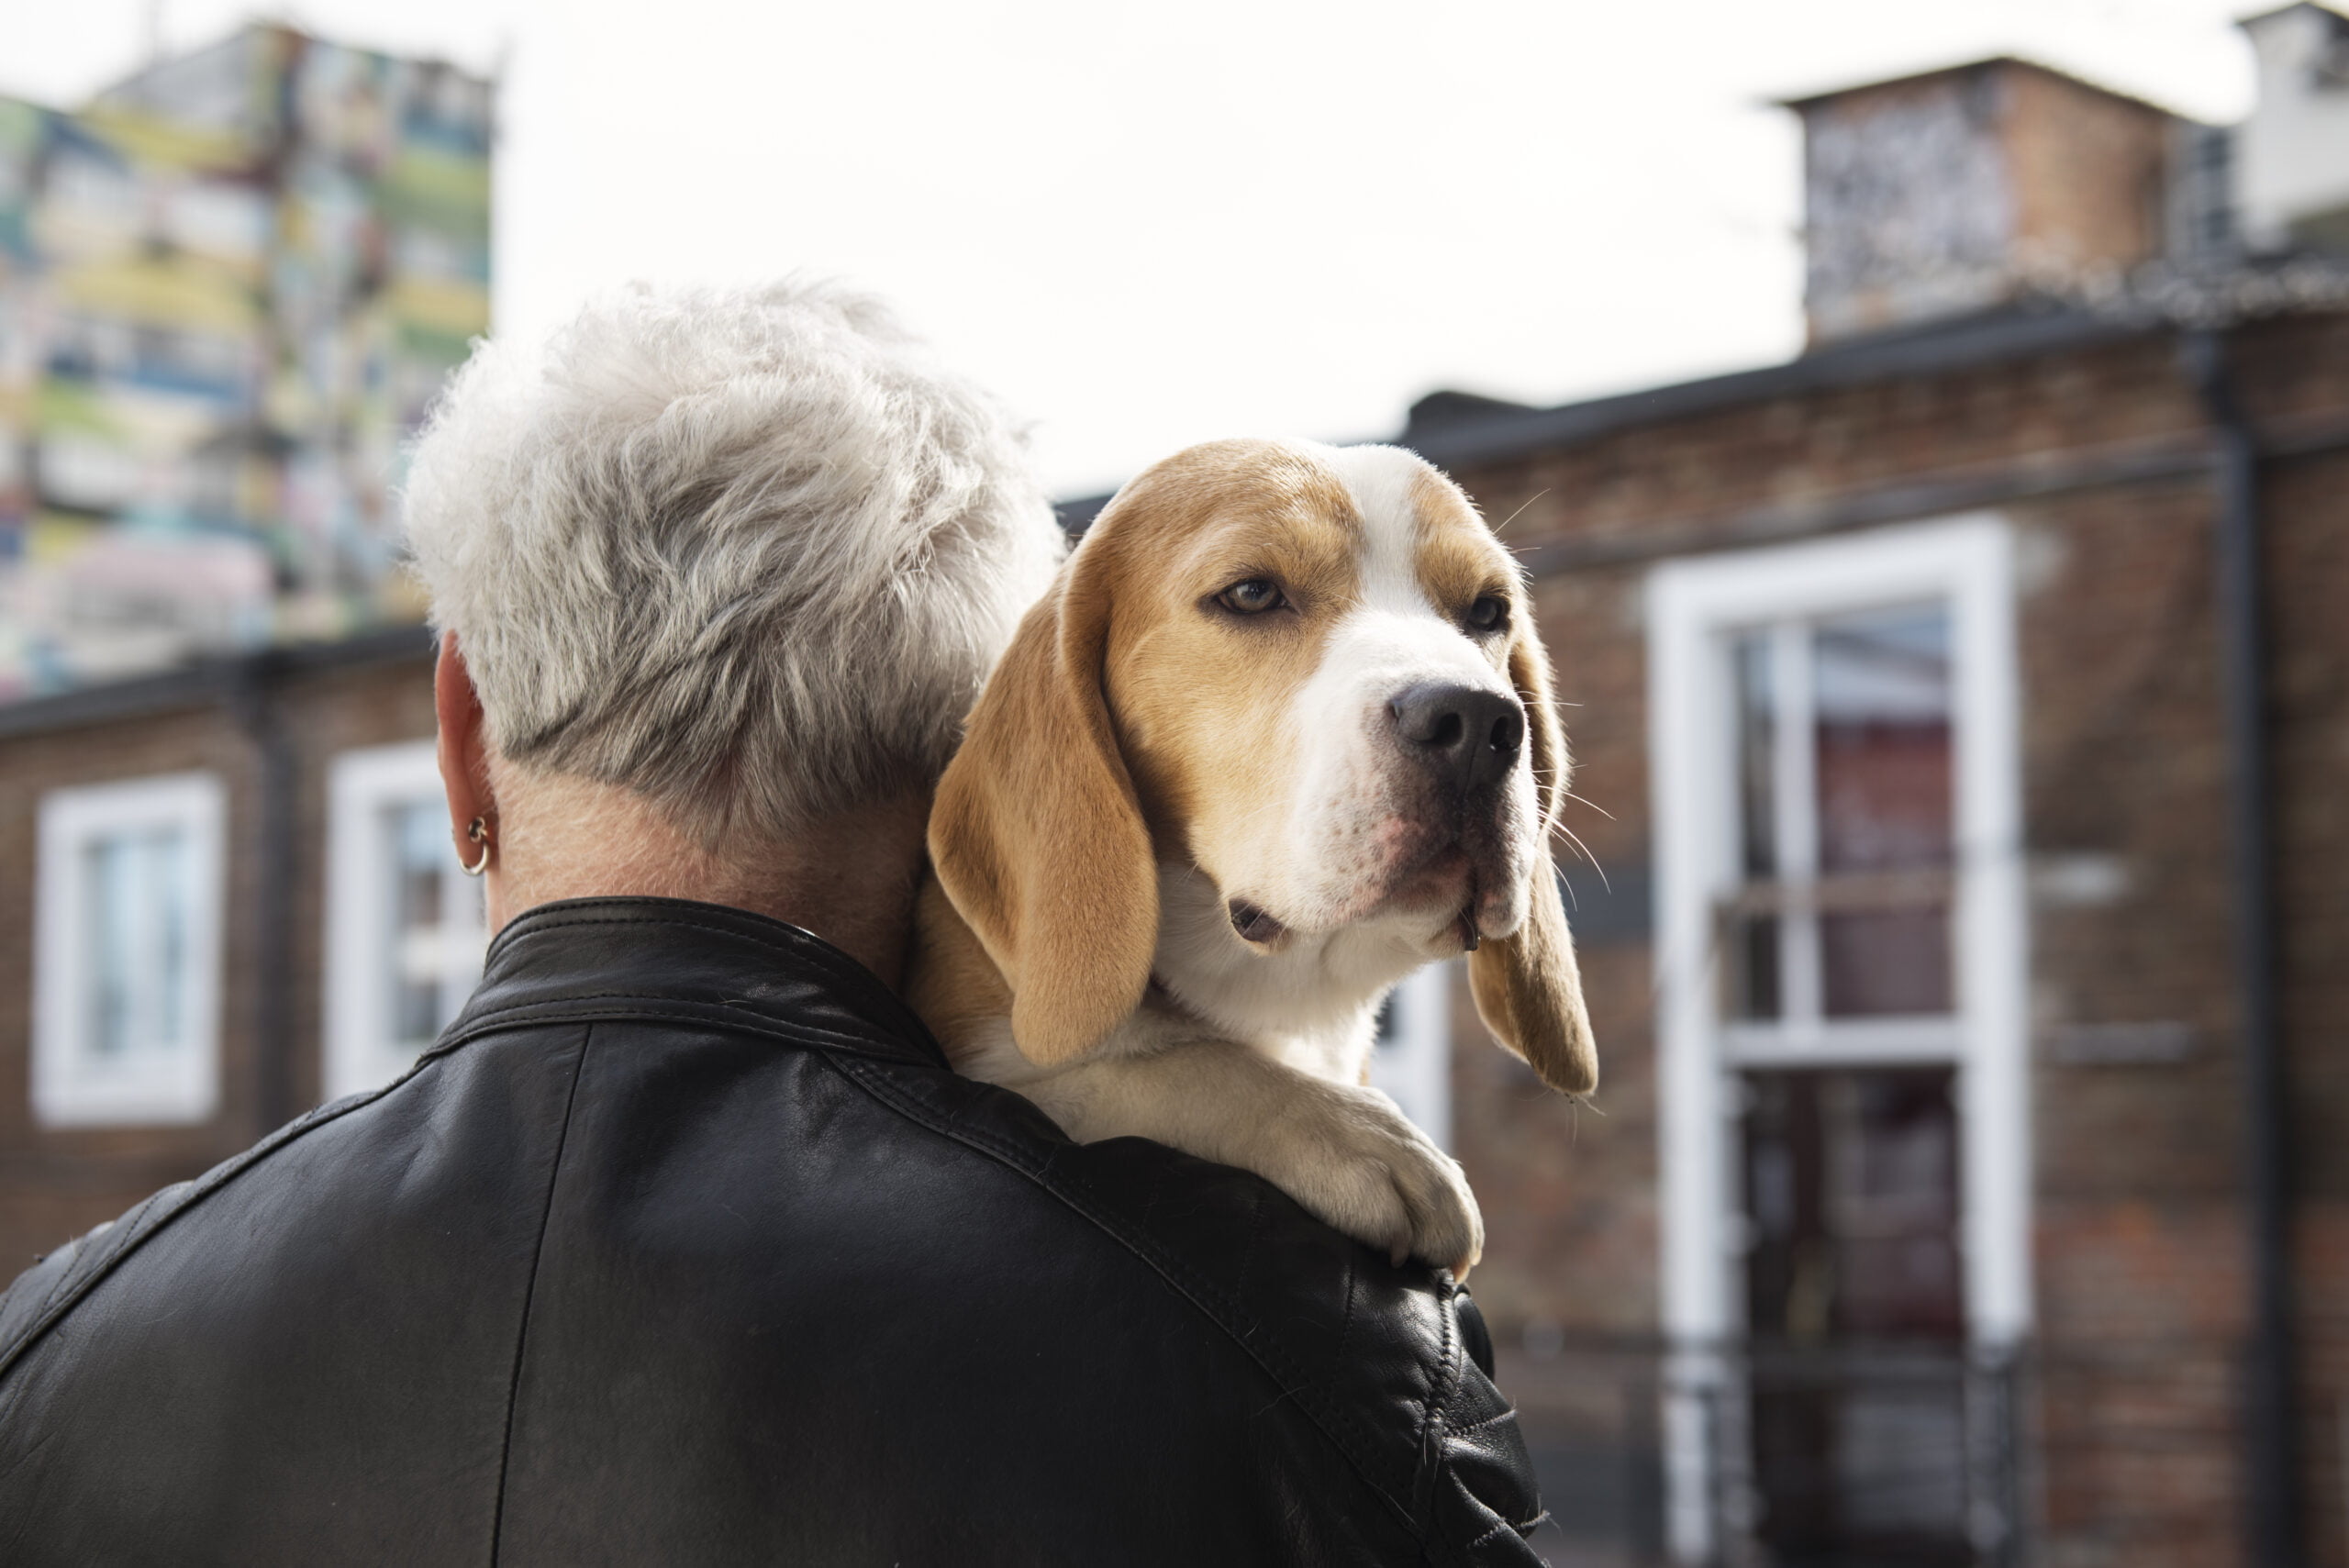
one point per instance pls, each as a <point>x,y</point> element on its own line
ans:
<point>1692,605</point>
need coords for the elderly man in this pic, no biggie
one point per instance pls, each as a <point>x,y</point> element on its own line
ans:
<point>683,1245</point>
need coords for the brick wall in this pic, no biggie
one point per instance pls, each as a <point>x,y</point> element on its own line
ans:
<point>55,1183</point>
<point>2142,1289</point>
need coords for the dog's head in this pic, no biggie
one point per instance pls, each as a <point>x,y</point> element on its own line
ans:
<point>1310,672</point>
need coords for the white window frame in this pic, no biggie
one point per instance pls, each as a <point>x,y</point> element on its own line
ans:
<point>1415,1066</point>
<point>1693,607</point>
<point>1802,1035</point>
<point>68,1088</point>
<point>362,785</point>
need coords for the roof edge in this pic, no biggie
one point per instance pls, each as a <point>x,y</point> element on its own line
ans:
<point>210,681</point>
<point>2008,336</point>
<point>1799,102</point>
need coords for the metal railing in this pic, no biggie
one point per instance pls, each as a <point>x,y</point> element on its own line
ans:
<point>2119,1445</point>
<point>1775,1456</point>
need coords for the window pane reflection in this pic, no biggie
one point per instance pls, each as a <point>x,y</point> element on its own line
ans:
<point>1883,750</point>
<point>1756,756</point>
<point>1885,962</point>
<point>139,897</point>
<point>1881,700</point>
<point>1753,967</point>
<point>421,951</point>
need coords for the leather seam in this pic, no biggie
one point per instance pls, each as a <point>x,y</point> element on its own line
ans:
<point>807,946</point>
<point>70,1290</point>
<point>496,1019</point>
<point>1500,1527</point>
<point>1521,1528</point>
<point>1346,1320</point>
<point>1340,1427</point>
<point>529,1294</point>
<point>1497,1416</point>
<point>530,927</point>
<point>1441,1386</point>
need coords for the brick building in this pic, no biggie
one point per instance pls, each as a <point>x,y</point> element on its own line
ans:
<point>1966,1175</point>
<point>1961,1138</point>
<point>229,286</point>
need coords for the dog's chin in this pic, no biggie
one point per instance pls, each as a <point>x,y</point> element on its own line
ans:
<point>1451,895</point>
<point>1457,900</point>
<point>1445,883</point>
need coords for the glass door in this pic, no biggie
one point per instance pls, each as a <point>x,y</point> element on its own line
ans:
<point>1838,1007</point>
<point>1855,1315</point>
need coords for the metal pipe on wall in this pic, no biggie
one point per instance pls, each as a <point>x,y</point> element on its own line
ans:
<point>255,701</point>
<point>2272,1453</point>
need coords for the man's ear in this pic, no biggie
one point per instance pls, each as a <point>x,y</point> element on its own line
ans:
<point>1036,835</point>
<point>461,748</point>
<point>1528,986</point>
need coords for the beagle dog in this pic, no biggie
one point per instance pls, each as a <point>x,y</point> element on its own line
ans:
<point>1280,734</point>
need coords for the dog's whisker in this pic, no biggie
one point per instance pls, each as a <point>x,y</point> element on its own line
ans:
<point>1575,839</point>
<point>1519,513</point>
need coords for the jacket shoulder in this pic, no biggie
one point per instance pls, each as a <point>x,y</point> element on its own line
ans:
<point>50,1288</point>
<point>1391,1364</point>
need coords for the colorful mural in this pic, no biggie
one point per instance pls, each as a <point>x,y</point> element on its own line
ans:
<point>229,287</point>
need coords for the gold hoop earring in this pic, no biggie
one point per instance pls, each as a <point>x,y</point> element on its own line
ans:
<point>477,832</point>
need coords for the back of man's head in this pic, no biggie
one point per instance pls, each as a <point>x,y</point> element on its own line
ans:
<point>747,554</point>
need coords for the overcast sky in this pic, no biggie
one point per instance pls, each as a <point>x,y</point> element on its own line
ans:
<point>1152,226</point>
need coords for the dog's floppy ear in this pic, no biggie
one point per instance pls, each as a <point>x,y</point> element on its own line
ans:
<point>1528,986</point>
<point>1036,834</point>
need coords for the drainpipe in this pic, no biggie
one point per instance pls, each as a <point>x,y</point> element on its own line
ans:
<point>2272,1445</point>
<point>254,701</point>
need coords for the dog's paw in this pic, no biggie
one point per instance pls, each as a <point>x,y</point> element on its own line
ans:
<point>1352,1159</point>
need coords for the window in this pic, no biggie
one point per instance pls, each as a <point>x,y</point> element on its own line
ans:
<point>405,925</point>
<point>1843,1073</point>
<point>1834,928</point>
<point>1412,1060</point>
<point>127,966</point>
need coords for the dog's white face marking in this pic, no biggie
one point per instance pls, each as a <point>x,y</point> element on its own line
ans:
<point>1362,846</point>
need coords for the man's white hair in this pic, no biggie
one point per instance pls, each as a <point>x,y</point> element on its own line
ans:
<point>748,553</point>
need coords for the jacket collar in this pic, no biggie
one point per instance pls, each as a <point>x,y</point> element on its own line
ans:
<point>673,957</point>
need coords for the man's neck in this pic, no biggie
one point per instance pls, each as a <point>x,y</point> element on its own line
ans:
<point>850,879</point>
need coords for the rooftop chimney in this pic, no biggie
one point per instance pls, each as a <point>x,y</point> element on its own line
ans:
<point>1971,187</point>
<point>2293,157</point>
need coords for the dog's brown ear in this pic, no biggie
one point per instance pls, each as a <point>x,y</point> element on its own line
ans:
<point>1036,834</point>
<point>1528,986</point>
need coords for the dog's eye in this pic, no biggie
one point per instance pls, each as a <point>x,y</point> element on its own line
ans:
<point>1489,613</point>
<point>1251,597</point>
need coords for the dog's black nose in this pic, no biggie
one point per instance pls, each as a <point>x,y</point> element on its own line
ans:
<point>1469,737</point>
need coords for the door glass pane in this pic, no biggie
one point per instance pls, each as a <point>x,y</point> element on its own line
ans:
<point>1883,750</point>
<point>1855,1301</point>
<point>1851,1194</point>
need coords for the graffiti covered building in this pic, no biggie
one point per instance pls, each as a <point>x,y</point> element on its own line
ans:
<point>229,286</point>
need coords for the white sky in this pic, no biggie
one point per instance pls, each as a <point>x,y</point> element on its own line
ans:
<point>1152,226</point>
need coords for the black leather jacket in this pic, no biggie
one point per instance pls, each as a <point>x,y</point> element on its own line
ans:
<point>683,1245</point>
